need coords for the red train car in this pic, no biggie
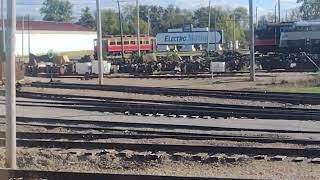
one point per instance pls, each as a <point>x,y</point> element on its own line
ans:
<point>112,45</point>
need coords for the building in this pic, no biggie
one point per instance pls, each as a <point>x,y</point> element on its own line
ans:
<point>189,38</point>
<point>55,36</point>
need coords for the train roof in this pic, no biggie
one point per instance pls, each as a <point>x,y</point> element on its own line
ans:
<point>308,23</point>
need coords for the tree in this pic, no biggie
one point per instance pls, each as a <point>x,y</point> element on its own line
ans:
<point>294,15</point>
<point>86,19</point>
<point>110,22</point>
<point>310,9</point>
<point>57,10</point>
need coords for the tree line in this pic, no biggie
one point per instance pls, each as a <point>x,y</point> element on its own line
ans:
<point>231,21</point>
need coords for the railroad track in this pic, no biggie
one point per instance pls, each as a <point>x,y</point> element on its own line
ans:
<point>168,148</point>
<point>154,135</point>
<point>294,98</point>
<point>137,131</point>
<point>166,107</point>
<point>54,175</point>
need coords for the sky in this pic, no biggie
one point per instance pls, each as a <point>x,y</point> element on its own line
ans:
<point>32,7</point>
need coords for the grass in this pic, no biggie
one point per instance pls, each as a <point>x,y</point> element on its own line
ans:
<point>299,89</point>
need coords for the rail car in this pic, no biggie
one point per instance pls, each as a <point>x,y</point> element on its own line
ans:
<point>267,37</point>
<point>112,45</point>
<point>303,36</point>
<point>291,45</point>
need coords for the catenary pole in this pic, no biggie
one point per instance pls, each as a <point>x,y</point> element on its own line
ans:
<point>252,51</point>
<point>279,11</point>
<point>209,27</point>
<point>11,86</point>
<point>149,22</point>
<point>99,43</point>
<point>29,37</point>
<point>138,27</point>
<point>234,33</point>
<point>3,28</point>
<point>121,30</point>
<point>22,34</point>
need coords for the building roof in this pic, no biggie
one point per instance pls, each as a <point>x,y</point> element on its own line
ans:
<point>50,26</point>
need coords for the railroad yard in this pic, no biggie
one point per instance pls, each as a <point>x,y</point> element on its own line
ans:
<point>159,90</point>
<point>169,127</point>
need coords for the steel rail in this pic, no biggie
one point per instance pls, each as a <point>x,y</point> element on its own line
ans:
<point>169,148</point>
<point>180,109</point>
<point>51,123</point>
<point>96,99</point>
<point>59,175</point>
<point>298,98</point>
<point>105,135</point>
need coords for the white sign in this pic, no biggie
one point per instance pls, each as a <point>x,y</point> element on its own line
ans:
<point>217,67</point>
<point>188,38</point>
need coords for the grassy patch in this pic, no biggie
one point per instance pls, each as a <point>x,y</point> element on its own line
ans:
<point>310,89</point>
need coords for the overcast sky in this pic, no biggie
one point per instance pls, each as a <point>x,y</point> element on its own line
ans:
<point>32,7</point>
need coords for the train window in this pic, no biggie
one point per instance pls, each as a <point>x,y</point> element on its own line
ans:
<point>147,42</point>
<point>126,42</point>
<point>119,43</point>
<point>141,42</point>
<point>112,43</point>
<point>133,42</point>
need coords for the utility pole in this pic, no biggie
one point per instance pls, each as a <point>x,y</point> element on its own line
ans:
<point>215,31</point>
<point>209,27</point>
<point>99,43</point>
<point>149,22</point>
<point>11,86</point>
<point>138,27</point>
<point>22,34</point>
<point>121,31</point>
<point>234,32</point>
<point>279,11</point>
<point>257,17</point>
<point>252,51</point>
<point>29,37</point>
<point>3,29</point>
<point>275,14</point>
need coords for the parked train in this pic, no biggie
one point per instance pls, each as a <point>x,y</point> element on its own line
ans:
<point>112,45</point>
<point>290,45</point>
<point>185,39</point>
<point>288,37</point>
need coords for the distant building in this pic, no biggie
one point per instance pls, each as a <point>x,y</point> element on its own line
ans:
<point>55,36</point>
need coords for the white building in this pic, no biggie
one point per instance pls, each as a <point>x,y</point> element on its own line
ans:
<point>55,36</point>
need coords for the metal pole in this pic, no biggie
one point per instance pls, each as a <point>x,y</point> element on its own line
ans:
<point>121,31</point>
<point>279,11</point>
<point>215,31</point>
<point>209,27</point>
<point>99,43</point>
<point>256,17</point>
<point>3,28</point>
<point>252,56</point>
<point>275,14</point>
<point>138,27</point>
<point>148,22</point>
<point>11,87</point>
<point>29,37</point>
<point>22,34</point>
<point>234,32</point>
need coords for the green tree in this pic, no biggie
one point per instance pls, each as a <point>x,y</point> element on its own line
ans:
<point>310,9</point>
<point>57,10</point>
<point>87,19</point>
<point>110,22</point>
